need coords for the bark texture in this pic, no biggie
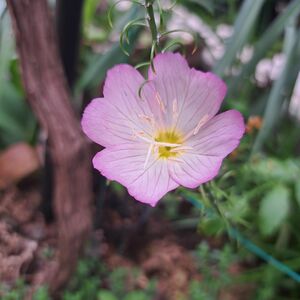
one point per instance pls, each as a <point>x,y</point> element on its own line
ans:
<point>48,95</point>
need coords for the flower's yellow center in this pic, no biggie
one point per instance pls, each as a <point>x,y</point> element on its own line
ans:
<point>168,137</point>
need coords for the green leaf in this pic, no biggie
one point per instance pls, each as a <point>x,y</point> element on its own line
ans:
<point>106,295</point>
<point>270,168</point>
<point>16,120</point>
<point>208,5</point>
<point>274,209</point>
<point>41,294</point>
<point>212,226</point>
<point>136,295</point>
<point>243,26</point>
<point>297,191</point>
<point>89,11</point>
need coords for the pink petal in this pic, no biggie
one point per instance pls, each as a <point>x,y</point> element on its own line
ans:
<point>168,64</point>
<point>190,96</point>
<point>125,163</point>
<point>203,100</point>
<point>214,141</point>
<point>118,116</point>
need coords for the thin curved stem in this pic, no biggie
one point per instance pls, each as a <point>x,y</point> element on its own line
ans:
<point>152,24</point>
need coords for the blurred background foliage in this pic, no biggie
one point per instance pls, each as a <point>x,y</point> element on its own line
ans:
<point>254,46</point>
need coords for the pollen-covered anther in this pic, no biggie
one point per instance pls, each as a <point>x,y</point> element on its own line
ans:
<point>148,119</point>
<point>160,103</point>
<point>175,110</point>
<point>200,124</point>
<point>141,133</point>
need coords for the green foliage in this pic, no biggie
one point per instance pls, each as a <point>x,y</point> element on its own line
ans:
<point>297,191</point>
<point>90,277</point>
<point>106,295</point>
<point>41,294</point>
<point>269,38</point>
<point>16,120</point>
<point>214,266</point>
<point>90,7</point>
<point>243,27</point>
<point>208,5</point>
<point>277,96</point>
<point>92,281</point>
<point>274,209</point>
<point>15,293</point>
<point>97,65</point>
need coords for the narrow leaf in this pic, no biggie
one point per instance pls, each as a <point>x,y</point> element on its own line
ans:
<point>245,22</point>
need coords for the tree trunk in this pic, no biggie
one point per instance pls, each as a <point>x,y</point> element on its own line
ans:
<point>48,95</point>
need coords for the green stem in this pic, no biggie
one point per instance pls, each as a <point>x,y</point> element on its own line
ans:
<point>152,23</point>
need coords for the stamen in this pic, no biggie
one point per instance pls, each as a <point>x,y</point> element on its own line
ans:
<point>160,102</point>
<point>175,110</point>
<point>148,155</point>
<point>201,123</point>
<point>175,106</point>
<point>148,119</point>
<point>204,119</point>
<point>143,136</point>
<point>181,148</point>
<point>134,133</point>
<point>141,133</point>
<point>150,141</point>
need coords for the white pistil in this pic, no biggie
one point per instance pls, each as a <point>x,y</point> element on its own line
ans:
<point>181,148</point>
<point>167,144</point>
<point>154,146</point>
<point>141,135</point>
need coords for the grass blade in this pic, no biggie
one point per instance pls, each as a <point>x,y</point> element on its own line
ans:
<point>278,92</point>
<point>266,41</point>
<point>242,29</point>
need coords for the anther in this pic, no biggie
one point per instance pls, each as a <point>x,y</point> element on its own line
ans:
<point>175,107</point>
<point>175,110</point>
<point>160,102</point>
<point>147,119</point>
<point>201,123</point>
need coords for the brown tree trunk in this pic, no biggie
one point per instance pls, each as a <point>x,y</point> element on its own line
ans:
<point>49,98</point>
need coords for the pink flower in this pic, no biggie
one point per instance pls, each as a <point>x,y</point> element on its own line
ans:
<point>169,136</point>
